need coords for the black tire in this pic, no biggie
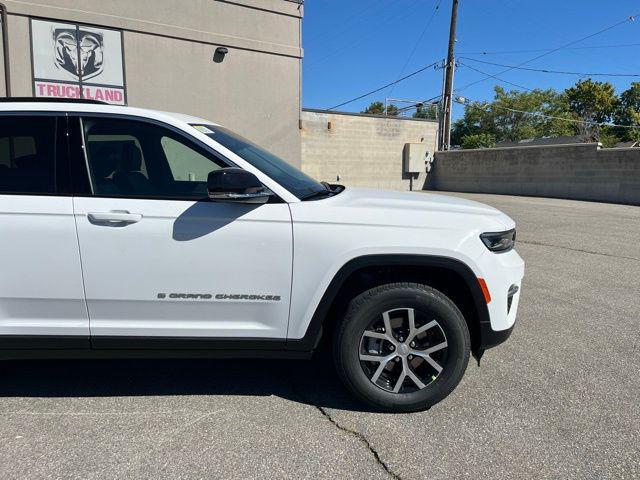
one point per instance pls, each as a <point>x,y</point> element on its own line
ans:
<point>423,300</point>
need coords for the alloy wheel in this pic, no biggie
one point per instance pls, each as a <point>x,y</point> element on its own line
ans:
<point>403,350</point>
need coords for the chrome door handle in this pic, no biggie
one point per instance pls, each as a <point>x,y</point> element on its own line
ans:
<point>114,217</point>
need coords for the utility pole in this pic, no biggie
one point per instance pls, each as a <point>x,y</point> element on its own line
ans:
<point>447,99</point>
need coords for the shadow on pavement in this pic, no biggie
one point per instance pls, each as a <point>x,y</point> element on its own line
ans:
<point>311,382</point>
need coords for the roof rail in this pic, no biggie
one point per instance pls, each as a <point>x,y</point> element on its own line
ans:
<point>50,100</point>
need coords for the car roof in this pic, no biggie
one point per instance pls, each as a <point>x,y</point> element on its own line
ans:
<point>183,117</point>
<point>41,105</point>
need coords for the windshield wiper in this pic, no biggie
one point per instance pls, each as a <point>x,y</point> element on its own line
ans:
<point>318,194</point>
<point>330,191</point>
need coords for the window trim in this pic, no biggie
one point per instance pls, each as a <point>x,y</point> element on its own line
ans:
<point>61,168</point>
<point>177,131</point>
<point>86,156</point>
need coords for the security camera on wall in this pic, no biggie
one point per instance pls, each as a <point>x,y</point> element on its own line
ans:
<point>220,54</point>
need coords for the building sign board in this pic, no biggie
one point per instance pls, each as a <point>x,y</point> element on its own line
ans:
<point>77,61</point>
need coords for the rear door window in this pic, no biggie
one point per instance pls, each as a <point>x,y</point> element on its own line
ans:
<point>28,155</point>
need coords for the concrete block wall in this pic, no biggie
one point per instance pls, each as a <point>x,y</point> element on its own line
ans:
<point>362,150</point>
<point>580,172</point>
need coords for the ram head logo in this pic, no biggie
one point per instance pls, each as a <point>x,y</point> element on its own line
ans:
<point>79,52</point>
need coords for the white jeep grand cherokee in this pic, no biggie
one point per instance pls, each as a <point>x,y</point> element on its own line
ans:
<point>129,232</point>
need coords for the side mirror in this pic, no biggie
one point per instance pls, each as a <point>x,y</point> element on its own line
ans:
<point>236,185</point>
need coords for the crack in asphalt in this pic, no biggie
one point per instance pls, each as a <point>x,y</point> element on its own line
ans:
<point>360,436</point>
<point>362,439</point>
<point>528,242</point>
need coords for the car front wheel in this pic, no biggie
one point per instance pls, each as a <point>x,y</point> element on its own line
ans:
<point>402,347</point>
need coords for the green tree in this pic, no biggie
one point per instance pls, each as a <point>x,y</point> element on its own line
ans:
<point>516,114</point>
<point>608,137</point>
<point>628,113</point>
<point>478,140</point>
<point>512,116</point>
<point>377,108</point>
<point>392,110</point>
<point>478,119</point>
<point>593,103</point>
<point>426,111</point>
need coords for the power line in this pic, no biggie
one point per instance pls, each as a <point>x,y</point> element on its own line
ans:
<point>549,52</point>
<point>515,67</point>
<point>385,86</point>
<point>589,47</point>
<point>496,77</point>
<point>426,102</point>
<point>415,47</point>
<point>553,117</point>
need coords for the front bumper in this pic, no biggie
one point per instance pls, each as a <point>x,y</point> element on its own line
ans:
<point>503,275</point>
<point>490,338</point>
<point>501,272</point>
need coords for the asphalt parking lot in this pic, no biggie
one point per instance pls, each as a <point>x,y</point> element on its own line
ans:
<point>561,399</point>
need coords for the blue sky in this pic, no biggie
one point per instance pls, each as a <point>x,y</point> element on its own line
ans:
<point>353,46</point>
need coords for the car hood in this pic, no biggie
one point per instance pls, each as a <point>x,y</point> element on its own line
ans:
<point>410,207</point>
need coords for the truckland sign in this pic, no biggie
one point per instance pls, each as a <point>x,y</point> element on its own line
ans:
<point>77,61</point>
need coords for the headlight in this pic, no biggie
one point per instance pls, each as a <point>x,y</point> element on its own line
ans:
<point>499,242</point>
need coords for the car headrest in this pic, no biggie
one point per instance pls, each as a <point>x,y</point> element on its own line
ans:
<point>104,161</point>
<point>131,160</point>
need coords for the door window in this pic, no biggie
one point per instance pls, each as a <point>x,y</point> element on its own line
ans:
<point>137,159</point>
<point>186,164</point>
<point>28,154</point>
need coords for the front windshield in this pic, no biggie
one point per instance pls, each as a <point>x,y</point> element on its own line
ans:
<point>298,183</point>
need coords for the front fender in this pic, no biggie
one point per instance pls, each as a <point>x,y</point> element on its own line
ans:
<point>313,328</point>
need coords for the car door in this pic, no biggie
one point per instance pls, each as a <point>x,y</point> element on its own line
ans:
<point>163,266</point>
<point>41,294</point>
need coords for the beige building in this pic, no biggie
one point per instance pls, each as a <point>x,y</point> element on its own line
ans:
<point>165,54</point>
<point>364,150</point>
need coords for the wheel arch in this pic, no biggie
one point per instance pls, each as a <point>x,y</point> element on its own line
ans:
<point>361,273</point>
